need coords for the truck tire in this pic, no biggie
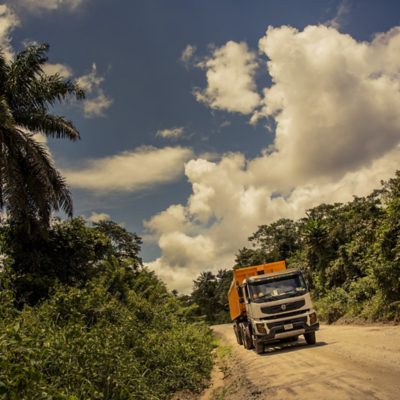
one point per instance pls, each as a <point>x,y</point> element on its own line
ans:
<point>241,332</point>
<point>259,347</point>
<point>238,335</point>
<point>247,340</point>
<point>310,338</point>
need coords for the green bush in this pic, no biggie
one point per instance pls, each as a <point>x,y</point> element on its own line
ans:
<point>333,305</point>
<point>92,343</point>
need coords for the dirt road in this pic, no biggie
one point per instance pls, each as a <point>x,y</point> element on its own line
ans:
<point>348,362</point>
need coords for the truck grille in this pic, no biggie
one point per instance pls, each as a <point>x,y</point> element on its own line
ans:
<point>286,315</point>
<point>294,305</point>
<point>294,321</point>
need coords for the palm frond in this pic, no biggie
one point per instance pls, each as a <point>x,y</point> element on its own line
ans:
<point>51,125</point>
<point>6,115</point>
<point>36,183</point>
<point>23,73</point>
<point>4,69</point>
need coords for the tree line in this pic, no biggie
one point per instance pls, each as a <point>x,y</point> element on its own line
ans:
<point>348,252</point>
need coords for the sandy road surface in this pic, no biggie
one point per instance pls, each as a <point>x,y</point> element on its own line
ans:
<point>348,362</point>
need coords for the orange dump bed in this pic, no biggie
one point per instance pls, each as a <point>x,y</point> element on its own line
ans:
<point>236,308</point>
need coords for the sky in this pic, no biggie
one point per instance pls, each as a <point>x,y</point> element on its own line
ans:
<point>205,119</point>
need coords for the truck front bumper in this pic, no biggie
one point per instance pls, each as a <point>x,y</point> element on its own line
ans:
<point>277,331</point>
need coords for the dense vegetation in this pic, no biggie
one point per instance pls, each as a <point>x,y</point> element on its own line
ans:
<point>209,296</point>
<point>349,253</point>
<point>90,322</point>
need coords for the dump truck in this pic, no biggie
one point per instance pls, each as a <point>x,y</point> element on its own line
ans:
<point>269,303</point>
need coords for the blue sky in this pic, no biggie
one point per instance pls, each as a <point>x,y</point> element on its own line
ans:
<point>236,161</point>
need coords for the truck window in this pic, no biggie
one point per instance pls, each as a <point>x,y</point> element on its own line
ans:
<point>277,287</point>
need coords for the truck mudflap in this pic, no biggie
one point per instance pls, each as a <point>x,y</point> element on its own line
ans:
<point>283,331</point>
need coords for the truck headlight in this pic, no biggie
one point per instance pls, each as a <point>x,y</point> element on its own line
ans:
<point>313,318</point>
<point>261,328</point>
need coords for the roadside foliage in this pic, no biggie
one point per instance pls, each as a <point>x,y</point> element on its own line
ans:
<point>104,327</point>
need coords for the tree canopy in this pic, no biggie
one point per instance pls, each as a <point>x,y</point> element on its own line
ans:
<point>30,185</point>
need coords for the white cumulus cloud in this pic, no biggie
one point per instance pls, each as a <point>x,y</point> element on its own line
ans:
<point>230,79</point>
<point>335,102</point>
<point>130,170</point>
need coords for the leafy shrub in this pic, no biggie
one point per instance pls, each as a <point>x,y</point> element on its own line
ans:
<point>92,343</point>
<point>333,305</point>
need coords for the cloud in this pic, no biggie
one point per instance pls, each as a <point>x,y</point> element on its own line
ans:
<point>170,220</point>
<point>130,171</point>
<point>97,217</point>
<point>230,79</point>
<point>61,69</point>
<point>334,100</point>
<point>173,133</point>
<point>342,12</point>
<point>187,54</point>
<point>335,105</point>
<point>183,257</point>
<point>8,21</point>
<point>48,5</point>
<point>96,101</point>
<point>91,81</point>
<point>95,107</point>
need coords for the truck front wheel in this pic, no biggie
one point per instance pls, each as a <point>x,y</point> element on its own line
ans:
<point>247,340</point>
<point>310,338</point>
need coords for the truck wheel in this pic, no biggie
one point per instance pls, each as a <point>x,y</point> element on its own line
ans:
<point>247,340</point>
<point>242,334</point>
<point>310,338</point>
<point>259,347</point>
<point>238,334</point>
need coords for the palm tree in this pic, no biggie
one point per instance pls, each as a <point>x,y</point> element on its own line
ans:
<point>30,186</point>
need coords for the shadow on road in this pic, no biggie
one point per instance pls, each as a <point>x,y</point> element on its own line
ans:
<point>281,348</point>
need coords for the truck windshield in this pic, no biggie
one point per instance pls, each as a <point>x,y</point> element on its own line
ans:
<point>277,287</point>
